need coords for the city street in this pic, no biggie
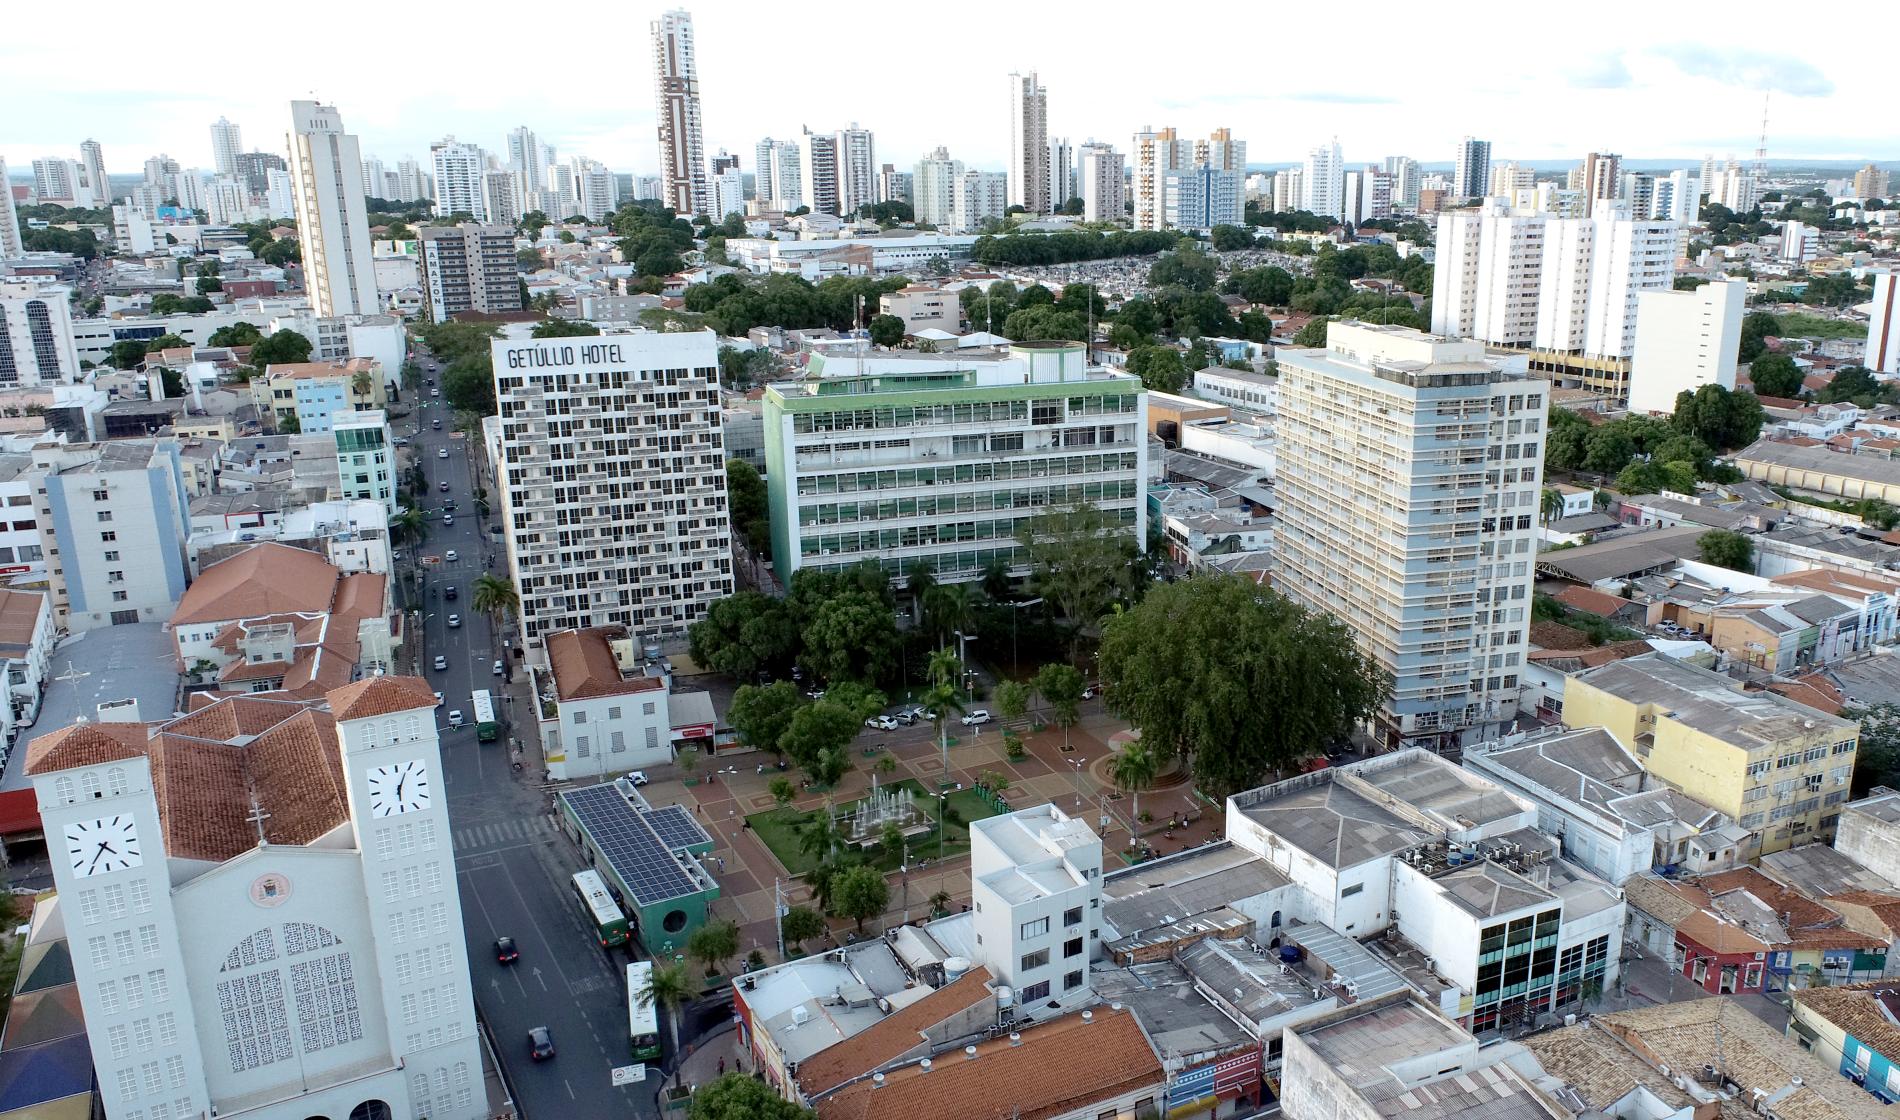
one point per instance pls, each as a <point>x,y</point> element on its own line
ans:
<point>512,863</point>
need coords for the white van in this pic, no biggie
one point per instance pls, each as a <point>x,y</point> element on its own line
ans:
<point>455,717</point>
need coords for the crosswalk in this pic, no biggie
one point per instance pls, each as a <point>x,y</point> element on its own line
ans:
<point>520,830</point>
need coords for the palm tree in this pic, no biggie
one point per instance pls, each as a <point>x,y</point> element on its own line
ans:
<point>949,608</point>
<point>940,902</point>
<point>942,697</point>
<point>919,578</point>
<point>408,525</point>
<point>818,834</point>
<point>1551,505</point>
<point>494,595</point>
<point>668,987</point>
<point>1134,769</point>
<point>361,384</point>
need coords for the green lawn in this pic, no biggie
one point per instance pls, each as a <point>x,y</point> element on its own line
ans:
<point>779,829</point>
<point>1796,324</point>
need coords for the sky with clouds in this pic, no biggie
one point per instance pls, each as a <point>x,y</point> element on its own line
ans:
<point>1539,82</point>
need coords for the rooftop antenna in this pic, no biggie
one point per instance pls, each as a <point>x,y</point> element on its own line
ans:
<point>1761,149</point>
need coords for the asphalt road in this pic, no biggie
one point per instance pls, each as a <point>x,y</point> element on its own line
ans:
<point>511,861</point>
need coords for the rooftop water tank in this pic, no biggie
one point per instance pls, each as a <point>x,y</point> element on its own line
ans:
<point>954,968</point>
<point>1005,997</point>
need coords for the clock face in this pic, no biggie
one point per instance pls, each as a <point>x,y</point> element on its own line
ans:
<point>400,787</point>
<point>107,844</point>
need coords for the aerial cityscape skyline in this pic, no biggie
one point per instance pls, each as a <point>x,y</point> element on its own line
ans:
<point>1380,98</point>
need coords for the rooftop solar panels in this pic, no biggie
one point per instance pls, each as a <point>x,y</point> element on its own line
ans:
<point>676,827</point>
<point>638,855</point>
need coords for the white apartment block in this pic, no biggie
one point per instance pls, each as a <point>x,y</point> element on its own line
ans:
<point>1485,275</point>
<point>92,162</point>
<point>10,243</point>
<point>469,267</point>
<point>113,521</point>
<point>1685,340</point>
<point>338,259</point>
<point>1471,169</point>
<point>778,177</point>
<point>820,166</point>
<point>1677,198</point>
<point>1156,152</point>
<point>1201,197</point>
<point>1409,477</point>
<point>1104,191</point>
<point>60,180</point>
<point>934,188</point>
<point>242,947</point>
<point>1289,190</point>
<point>1029,144</point>
<point>227,140</point>
<point>1593,269</point>
<point>1733,186</point>
<point>960,454</point>
<point>458,178</point>
<point>856,150</point>
<point>613,481</point>
<point>1509,178</point>
<point>728,188</point>
<point>1323,182</point>
<point>682,137</point>
<point>1883,324</point>
<point>36,334</point>
<point>976,197</point>
<point>1036,897</point>
<point>1062,173</point>
<point>1404,173</point>
<point>502,199</point>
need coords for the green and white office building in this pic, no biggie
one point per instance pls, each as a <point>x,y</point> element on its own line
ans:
<point>898,457</point>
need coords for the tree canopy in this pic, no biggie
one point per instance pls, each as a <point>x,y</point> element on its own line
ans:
<point>556,327</point>
<point>1079,561</point>
<point>1726,549</point>
<point>1034,247</point>
<point>1775,374</point>
<point>1723,419</point>
<point>1235,677</point>
<point>282,347</point>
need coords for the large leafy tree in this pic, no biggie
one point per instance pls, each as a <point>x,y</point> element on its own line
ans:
<point>861,893</point>
<point>850,636</point>
<point>280,348</point>
<point>1721,418</point>
<point>1081,560</point>
<point>1061,687</point>
<point>1160,368</point>
<point>1774,374</point>
<point>816,730</point>
<point>800,924</point>
<point>1236,677</point>
<point>743,635</point>
<point>1726,549</point>
<point>761,713</point>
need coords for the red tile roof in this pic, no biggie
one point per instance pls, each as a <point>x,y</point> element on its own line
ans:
<point>585,667</point>
<point>891,1037</point>
<point>1591,601</point>
<point>264,579</point>
<point>85,744</point>
<point>1059,1067</point>
<point>380,696</point>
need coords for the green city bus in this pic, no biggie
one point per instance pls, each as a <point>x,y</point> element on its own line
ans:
<point>610,925</point>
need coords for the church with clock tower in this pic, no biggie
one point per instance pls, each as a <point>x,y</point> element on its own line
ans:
<point>261,903</point>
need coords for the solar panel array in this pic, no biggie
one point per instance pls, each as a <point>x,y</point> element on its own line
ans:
<point>634,850</point>
<point>676,827</point>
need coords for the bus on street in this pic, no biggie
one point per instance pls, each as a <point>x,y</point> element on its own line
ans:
<point>487,728</point>
<point>643,1018</point>
<point>610,925</point>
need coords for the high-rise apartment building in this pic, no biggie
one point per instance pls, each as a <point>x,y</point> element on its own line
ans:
<point>160,169</point>
<point>613,481</point>
<point>524,157</point>
<point>1566,287</point>
<point>261,903</point>
<point>1409,480</point>
<point>1404,173</point>
<point>1883,324</point>
<point>92,164</point>
<point>1677,198</point>
<point>1221,150</point>
<point>856,150</point>
<point>1289,190</point>
<point>36,329</point>
<point>1685,340</point>
<point>1200,197</point>
<point>778,177</point>
<point>820,167</point>
<point>728,189</point>
<point>226,142</point>
<point>1156,152</point>
<point>365,457</point>
<point>1104,189</point>
<point>1368,196</point>
<point>469,267</point>
<point>59,180</point>
<point>1471,170</point>
<point>410,181</point>
<point>325,168</point>
<point>1870,182</point>
<point>1062,176</point>
<point>10,243</point>
<point>459,168</point>
<point>976,197</point>
<point>254,169</point>
<point>933,187</point>
<point>373,185</point>
<point>1600,176</point>
<point>595,190</point>
<point>1734,186</point>
<point>893,185</point>
<point>1028,144</point>
<point>723,163</point>
<point>502,200</point>
<point>1323,182</point>
<point>963,452</point>
<point>682,139</point>
<point>1510,177</point>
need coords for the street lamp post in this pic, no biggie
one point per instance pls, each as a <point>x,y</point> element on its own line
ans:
<point>1077,764</point>
<point>1014,614</point>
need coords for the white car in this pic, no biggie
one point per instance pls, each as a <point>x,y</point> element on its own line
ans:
<point>455,717</point>
<point>438,699</point>
<point>441,663</point>
<point>449,556</point>
<point>637,777</point>
<point>442,454</point>
<point>979,716</point>
<point>455,620</point>
<point>882,723</point>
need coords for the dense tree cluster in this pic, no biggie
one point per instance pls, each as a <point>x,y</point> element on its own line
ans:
<point>1033,248</point>
<point>468,376</point>
<point>653,239</point>
<point>733,304</point>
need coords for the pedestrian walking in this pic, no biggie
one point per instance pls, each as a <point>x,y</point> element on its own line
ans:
<point>722,1065</point>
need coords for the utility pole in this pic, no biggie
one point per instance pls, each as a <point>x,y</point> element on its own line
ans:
<point>778,913</point>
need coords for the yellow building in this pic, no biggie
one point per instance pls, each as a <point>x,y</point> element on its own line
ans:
<point>1779,768</point>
